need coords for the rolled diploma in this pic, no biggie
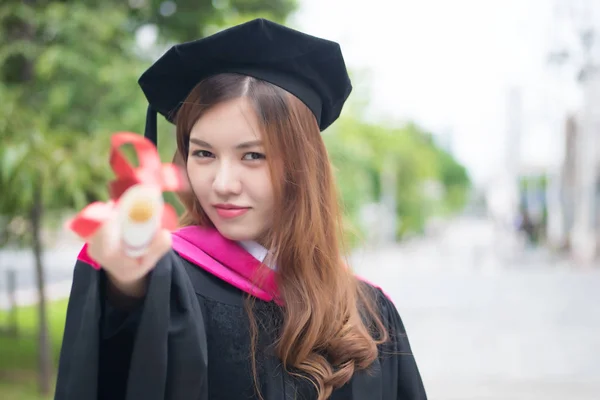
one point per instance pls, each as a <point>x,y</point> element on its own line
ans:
<point>140,216</point>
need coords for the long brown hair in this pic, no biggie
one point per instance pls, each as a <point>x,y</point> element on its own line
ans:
<point>324,335</point>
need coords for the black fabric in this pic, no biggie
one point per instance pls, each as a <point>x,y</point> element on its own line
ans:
<point>158,352</point>
<point>142,357</point>
<point>311,68</point>
<point>151,131</point>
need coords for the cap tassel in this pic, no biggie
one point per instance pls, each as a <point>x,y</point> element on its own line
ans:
<point>150,132</point>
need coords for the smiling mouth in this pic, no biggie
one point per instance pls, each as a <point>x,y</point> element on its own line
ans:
<point>231,211</point>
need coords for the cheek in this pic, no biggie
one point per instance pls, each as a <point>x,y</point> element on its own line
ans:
<point>189,168</point>
<point>262,188</point>
<point>198,180</point>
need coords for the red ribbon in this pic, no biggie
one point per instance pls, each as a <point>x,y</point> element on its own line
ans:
<point>151,171</point>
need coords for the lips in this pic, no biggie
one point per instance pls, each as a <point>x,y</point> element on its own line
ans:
<point>230,211</point>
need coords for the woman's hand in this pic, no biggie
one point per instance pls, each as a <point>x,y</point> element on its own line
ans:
<point>126,274</point>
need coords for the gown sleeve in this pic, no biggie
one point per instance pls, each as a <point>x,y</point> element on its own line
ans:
<point>401,377</point>
<point>118,328</point>
<point>155,352</point>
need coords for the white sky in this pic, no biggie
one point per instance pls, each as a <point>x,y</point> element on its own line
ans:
<point>448,64</point>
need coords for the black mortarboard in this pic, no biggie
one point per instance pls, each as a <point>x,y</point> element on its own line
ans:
<point>309,67</point>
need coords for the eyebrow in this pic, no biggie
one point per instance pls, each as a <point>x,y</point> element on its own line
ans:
<point>244,145</point>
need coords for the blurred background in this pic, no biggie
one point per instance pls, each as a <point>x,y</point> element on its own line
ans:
<point>467,160</point>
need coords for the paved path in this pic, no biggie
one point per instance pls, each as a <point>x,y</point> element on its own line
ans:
<point>485,327</point>
<point>487,321</point>
<point>59,265</point>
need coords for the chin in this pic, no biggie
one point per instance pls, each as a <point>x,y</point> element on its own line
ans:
<point>237,233</point>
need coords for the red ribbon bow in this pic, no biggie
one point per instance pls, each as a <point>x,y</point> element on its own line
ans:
<point>151,171</point>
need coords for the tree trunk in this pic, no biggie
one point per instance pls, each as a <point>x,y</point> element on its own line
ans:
<point>44,350</point>
<point>20,70</point>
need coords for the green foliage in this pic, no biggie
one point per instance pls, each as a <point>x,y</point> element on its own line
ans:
<point>68,79</point>
<point>363,152</point>
<point>19,354</point>
<point>191,19</point>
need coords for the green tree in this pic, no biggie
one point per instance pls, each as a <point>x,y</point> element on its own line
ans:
<point>68,78</point>
<point>185,20</point>
<point>361,152</point>
<point>38,177</point>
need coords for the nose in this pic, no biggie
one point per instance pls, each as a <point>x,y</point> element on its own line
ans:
<point>227,180</point>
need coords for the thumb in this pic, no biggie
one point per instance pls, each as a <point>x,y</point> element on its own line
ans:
<point>160,245</point>
<point>164,241</point>
<point>112,235</point>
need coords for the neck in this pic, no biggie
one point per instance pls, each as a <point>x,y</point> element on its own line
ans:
<point>258,251</point>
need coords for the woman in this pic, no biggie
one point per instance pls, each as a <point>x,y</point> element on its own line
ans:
<point>251,298</point>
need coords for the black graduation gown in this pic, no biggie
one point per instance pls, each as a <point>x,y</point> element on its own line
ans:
<point>189,339</point>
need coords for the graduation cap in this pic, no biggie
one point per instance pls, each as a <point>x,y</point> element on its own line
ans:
<point>309,67</point>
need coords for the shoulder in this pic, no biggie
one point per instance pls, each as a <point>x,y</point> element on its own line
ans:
<point>383,307</point>
<point>401,374</point>
<point>376,295</point>
<point>374,290</point>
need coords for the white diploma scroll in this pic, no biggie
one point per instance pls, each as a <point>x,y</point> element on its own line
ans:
<point>140,211</point>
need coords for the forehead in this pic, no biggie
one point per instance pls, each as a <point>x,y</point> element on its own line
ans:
<point>234,120</point>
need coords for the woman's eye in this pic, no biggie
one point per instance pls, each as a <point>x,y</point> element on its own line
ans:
<point>202,154</point>
<point>253,156</point>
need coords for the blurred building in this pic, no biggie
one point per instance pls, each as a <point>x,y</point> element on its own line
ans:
<point>570,204</point>
<point>580,174</point>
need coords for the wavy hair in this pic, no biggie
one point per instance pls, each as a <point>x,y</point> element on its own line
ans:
<point>330,325</point>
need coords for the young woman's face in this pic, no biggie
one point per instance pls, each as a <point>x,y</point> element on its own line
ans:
<point>229,173</point>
